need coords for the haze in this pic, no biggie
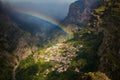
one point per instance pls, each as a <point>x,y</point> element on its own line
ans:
<point>56,9</point>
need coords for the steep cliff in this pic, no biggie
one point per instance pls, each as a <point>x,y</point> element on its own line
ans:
<point>15,44</point>
<point>110,49</point>
<point>79,11</point>
<point>105,19</point>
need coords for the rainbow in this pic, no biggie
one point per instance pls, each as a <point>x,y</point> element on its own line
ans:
<point>45,18</point>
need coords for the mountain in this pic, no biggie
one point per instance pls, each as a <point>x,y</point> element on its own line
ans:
<point>19,38</point>
<point>15,44</point>
<point>104,21</point>
<point>35,25</point>
<point>79,11</point>
<point>110,48</point>
<point>91,53</point>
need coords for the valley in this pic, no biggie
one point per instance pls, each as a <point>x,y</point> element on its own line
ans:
<point>29,50</point>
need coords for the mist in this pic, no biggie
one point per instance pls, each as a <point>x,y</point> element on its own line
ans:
<point>55,9</point>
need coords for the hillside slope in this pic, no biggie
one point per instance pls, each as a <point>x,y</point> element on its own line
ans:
<point>92,53</point>
<point>18,40</point>
<point>15,44</point>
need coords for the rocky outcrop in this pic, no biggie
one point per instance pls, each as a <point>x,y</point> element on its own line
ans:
<point>110,48</point>
<point>79,11</point>
<point>104,18</point>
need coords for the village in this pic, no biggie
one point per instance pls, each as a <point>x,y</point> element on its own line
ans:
<point>60,54</point>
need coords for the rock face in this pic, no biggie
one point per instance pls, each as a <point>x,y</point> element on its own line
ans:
<point>80,10</point>
<point>15,44</point>
<point>12,37</point>
<point>110,48</point>
<point>104,18</point>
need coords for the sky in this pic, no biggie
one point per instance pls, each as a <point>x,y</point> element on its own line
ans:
<point>57,9</point>
<point>42,1</point>
<point>54,9</point>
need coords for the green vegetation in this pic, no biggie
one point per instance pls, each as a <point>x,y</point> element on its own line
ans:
<point>6,66</point>
<point>87,42</point>
<point>94,76</point>
<point>29,70</point>
<point>110,47</point>
<point>95,51</point>
<point>92,53</point>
